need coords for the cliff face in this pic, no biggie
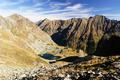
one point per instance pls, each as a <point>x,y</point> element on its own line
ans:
<point>83,33</point>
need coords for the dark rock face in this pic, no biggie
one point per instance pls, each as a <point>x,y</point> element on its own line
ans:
<point>90,35</point>
<point>109,44</point>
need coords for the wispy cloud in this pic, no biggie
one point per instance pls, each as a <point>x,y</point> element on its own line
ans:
<point>39,9</point>
<point>6,4</point>
<point>58,5</point>
<point>115,16</point>
<point>75,7</point>
<point>52,9</point>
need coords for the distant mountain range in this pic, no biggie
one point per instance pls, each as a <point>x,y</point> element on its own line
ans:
<point>94,35</point>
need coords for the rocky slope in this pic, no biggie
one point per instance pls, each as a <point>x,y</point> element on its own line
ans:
<point>96,68</point>
<point>30,35</point>
<point>20,43</point>
<point>94,35</point>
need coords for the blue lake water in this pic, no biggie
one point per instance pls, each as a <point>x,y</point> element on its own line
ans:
<point>50,56</point>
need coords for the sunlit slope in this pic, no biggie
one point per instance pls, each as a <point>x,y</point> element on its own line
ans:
<point>13,55</point>
<point>20,42</point>
<point>25,34</point>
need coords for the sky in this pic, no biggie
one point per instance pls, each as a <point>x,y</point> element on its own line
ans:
<point>37,10</point>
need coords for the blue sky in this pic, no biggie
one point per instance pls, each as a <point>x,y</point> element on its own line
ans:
<point>60,9</point>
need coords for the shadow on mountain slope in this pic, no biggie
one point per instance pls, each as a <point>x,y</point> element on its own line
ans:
<point>61,36</point>
<point>75,59</point>
<point>109,46</point>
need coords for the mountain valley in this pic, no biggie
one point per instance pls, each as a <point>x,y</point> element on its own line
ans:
<point>73,49</point>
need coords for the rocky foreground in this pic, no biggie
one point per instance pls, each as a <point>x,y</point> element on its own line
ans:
<point>98,68</point>
<point>95,68</point>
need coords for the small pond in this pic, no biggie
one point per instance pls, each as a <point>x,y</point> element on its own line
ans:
<point>50,56</point>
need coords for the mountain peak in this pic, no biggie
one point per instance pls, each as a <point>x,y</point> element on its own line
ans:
<point>99,16</point>
<point>16,16</point>
<point>46,19</point>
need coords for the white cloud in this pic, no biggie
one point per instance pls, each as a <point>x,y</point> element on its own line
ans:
<point>36,12</point>
<point>55,10</point>
<point>58,4</point>
<point>115,16</point>
<point>75,7</point>
<point>40,1</point>
<point>5,4</point>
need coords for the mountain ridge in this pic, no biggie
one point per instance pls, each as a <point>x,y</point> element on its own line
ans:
<point>21,42</point>
<point>80,33</point>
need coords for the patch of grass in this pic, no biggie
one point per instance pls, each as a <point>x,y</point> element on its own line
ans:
<point>13,55</point>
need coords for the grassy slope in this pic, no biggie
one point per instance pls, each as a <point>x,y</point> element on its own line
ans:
<point>13,55</point>
<point>21,41</point>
